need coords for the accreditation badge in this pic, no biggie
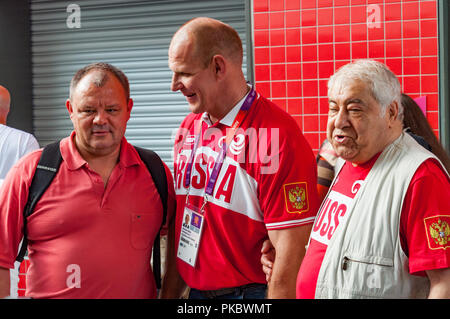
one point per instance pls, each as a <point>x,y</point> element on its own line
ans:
<point>191,232</point>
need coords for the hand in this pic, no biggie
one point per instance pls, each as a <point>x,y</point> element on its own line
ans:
<point>267,258</point>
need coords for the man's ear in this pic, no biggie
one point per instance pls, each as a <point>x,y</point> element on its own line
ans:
<point>129,106</point>
<point>392,111</point>
<point>69,106</point>
<point>220,65</point>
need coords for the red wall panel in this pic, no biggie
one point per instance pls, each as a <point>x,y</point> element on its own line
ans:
<point>300,43</point>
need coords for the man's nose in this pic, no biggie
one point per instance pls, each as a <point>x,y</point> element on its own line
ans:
<point>341,119</point>
<point>100,117</point>
<point>176,83</point>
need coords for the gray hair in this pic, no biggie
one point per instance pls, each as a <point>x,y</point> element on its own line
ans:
<point>383,83</point>
<point>105,69</point>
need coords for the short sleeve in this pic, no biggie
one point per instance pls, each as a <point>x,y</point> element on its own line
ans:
<point>425,219</point>
<point>32,145</point>
<point>13,198</point>
<point>288,196</point>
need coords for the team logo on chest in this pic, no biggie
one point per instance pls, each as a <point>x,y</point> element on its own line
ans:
<point>438,231</point>
<point>237,144</point>
<point>296,197</point>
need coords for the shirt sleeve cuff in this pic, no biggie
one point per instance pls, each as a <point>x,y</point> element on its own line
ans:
<point>290,223</point>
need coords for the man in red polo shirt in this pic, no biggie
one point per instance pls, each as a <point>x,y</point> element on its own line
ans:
<point>92,232</point>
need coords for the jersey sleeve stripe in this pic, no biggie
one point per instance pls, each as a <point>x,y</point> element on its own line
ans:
<point>290,223</point>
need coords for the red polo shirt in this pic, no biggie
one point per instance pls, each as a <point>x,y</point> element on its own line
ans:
<point>85,240</point>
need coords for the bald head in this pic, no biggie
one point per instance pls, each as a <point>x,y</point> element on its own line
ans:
<point>5,101</point>
<point>208,37</point>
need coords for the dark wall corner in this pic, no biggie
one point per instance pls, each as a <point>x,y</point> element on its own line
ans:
<point>15,61</point>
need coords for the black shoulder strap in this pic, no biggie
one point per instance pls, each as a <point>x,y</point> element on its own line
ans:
<point>156,168</point>
<point>46,170</point>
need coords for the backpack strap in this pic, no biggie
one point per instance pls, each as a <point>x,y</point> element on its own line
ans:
<point>158,172</point>
<point>46,170</point>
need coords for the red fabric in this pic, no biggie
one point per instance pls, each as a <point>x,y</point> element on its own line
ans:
<point>247,201</point>
<point>426,196</point>
<point>80,228</point>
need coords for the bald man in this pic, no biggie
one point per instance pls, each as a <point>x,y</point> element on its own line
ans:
<point>243,173</point>
<point>13,145</point>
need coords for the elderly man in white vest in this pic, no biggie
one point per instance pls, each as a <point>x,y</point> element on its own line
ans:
<point>383,230</point>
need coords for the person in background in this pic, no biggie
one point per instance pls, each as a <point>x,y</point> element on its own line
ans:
<point>414,121</point>
<point>326,161</point>
<point>14,144</point>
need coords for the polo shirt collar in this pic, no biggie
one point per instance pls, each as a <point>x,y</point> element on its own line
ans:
<point>228,119</point>
<point>74,160</point>
<point>128,155</point>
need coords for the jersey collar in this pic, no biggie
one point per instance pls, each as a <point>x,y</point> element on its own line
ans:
<point>228,119</point>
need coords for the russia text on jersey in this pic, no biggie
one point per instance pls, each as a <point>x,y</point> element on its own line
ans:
<point>235,189</point>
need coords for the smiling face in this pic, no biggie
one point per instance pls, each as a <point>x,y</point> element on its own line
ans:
<point>99,114</point>
<point>356,127</point>
<point>191,77</point>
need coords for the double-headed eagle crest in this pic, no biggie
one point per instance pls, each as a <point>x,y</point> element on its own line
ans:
<point>297,197</point>
<point>440,232</point>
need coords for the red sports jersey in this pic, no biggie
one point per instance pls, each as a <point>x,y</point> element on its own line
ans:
<point>267,182</point>
<point>425,200</point>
